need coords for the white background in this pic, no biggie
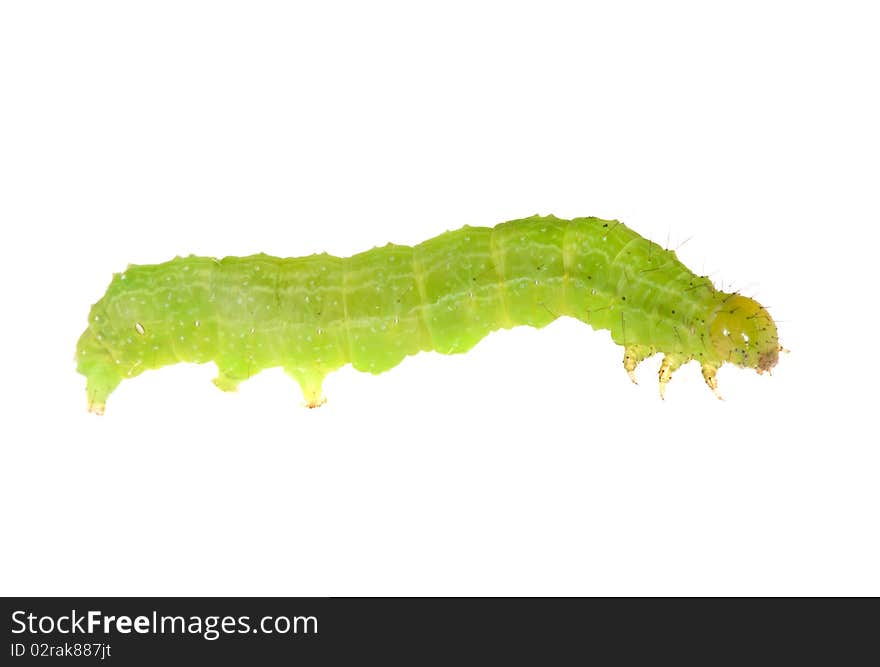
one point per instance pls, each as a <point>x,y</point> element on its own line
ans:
<point>132,132</point>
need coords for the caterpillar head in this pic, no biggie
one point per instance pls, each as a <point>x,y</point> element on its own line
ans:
<point>744,334</point>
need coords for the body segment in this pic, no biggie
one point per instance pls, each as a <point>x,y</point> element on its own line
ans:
<point>312,315</point>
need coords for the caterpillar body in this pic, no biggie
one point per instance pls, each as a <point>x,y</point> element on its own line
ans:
<point>312,315</point>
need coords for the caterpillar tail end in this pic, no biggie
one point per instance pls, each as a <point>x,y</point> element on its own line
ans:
<point>97,407</point>
<point>99,385</point>
<point>98,389</point>
<point>100,369</point>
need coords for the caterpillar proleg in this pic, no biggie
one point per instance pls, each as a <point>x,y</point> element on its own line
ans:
<point>312,315</point>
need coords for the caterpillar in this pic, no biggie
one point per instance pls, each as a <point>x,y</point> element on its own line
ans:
<point>312,315</point>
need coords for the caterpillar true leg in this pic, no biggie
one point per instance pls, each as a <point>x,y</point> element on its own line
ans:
<point>709,373</point>
<point>671,363</point>
<point>633,355</point>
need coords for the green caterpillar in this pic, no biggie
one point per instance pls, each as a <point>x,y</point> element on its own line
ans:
<point>312,315</point>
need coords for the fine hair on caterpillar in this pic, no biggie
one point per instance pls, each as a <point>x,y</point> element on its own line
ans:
<point>312,315</point>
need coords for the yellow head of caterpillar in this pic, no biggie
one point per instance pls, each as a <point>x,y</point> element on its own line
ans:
<point>744,334</point>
